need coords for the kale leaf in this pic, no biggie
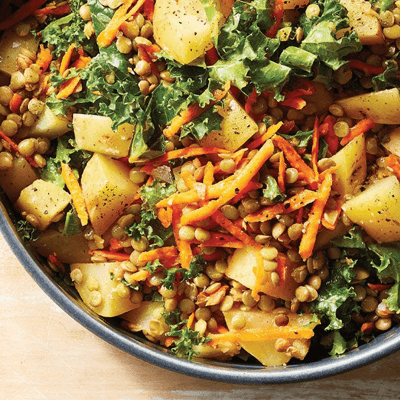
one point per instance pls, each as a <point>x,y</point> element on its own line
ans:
<point>72,224</point>
<point>26,231</point>
<point>272,190</point>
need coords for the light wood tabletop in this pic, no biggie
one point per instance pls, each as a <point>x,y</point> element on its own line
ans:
<point>45,354</point>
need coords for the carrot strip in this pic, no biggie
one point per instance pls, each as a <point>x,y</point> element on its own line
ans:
<point>66,59</point>
<point>281,173</point>
<point>187,152</point>
<point>242,179</point>
<point>115,244</point>
<point>379,286</point>
<point>393,162</point>
<point>315,147</point>
<point>68,87</point>
<point>81,62</point>
<point>259,272</point>
<point>24,11</point>
<point>294,102</point>
<point>250,101</point>
<point>64,9</point>
<point>314,219</point>
<point>190,320</point>
<point>15,102</point>
<point>277,14</point>
<point>162,252</point>
<point>148,9</point>
<point>188,178</point>
<point>211,56</point>
<point>44,58</point>
<point>287,127</point>
<point>366,68</point>
<point>307,90</point>
<point>165,216</point>
<point>144,55</point>
<point>295,160</point>
<point>361,127</point>
<point>76,193</point>
<point>295,202</point>
<point>153,48</point>
<point>299,216</point>
<point>251,186</point>
<point>141,275</point>
<point>262,334</point>
<point>267,135</point>
<point>208,174</point>
<point>14,147</point>
<point>106,37</point>
<point>184,248</point>
<point>110,255</point>
<point>326,130</point>
<point>234,230</point>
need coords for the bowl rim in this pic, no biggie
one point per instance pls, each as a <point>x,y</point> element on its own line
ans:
<point>383,346</point>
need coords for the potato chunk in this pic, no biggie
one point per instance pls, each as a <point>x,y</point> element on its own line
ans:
<point>10,46</point>
<point>382,107</point>
<point>236,127</point>
<point>377,210</point>
<point>17,178</point>
<point>182,29</point>
<point>353,166</point>
<point>240,268</point>
<point>107,190</point>
<point>364,22</point>
<point>94,133</point>
<point>264,350</point>
<point>97,290</point>
<point>44,200</point>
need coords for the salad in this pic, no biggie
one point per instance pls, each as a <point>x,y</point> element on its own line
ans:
<point>219,176</point>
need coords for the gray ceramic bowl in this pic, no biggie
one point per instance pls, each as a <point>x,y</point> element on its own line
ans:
<point>66,297</point>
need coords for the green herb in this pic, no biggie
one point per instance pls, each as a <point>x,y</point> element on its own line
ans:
<point>272,190</point>
<point>72,224</point>
<point>153,266</point>
<point>26,231</point>
<point>388,79</point>
<point>133,287</point>
<point>298,59</point>
<point>303,137</point>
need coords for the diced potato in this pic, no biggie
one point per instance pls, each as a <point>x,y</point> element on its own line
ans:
<point>353,166</point>
<point>382,107</point>
<point>107,190</point>
<point>364,22</point>
<point>221,351</point>
<point>98,291</point>
<point>182,29</point>
<point>265,350</point>
<point>47,125</point>
<point>240,268</point>
<point>147,317</point>
<point>392,142</point>
<point>17,178</point>
<point>68,249</point>
<point>94,133</point>
<point>11,45</point>
<point>44,200</point>
<point>377,210</point>
<point>236,128</point>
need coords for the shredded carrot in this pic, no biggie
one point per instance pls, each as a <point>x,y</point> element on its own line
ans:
<point>23,11</point>
<point>152,49</point>
<point>187,152</point>
<point>315,147</point>
<point>208,178</point>
<point>68,87</point>
<point>221,240</point>
<point>65,61</point>
<point>259,273</point>
<point>393,162</point>
<point>295,160</point>
<point>251,186</point>
<point>115,244</point>
<point>53,259</point>
<point>15,102</point>
<point>287,127</point>
<point>277,15</point>
<point>379,286</point>
<point>106,37</point>
<point>44,58</point>
<point>329,171</point>
<point>211,56</point>
<point>299,216</point>
<point>250,101</point>
<point>165,216</point>
<point>169,341</point>
<point>141,275</point>
<point>110,255</point>
<point>185,251</point>
<point>294,102</point>
<point>262,334</point>
<point>234,230</point>
<point>304,87</point>
<point>144,55</point>
<point>148,9</point>
<point>295,202</point>
<point>263,138</point>
<point>64,9</point>
<point>76,193</point>
<point>366,68</point>
<point>326,130</point>
<point>160,253</point>
<point>81,62</point>
<point>190,320</point>
<point>14,148</point>
<point>188,178</point>
<point>314,219</point>
<point>192,112</point>
<point>361,127</point>
<point>281,173</point>
<point>244,176</point>
<point>222,329</point>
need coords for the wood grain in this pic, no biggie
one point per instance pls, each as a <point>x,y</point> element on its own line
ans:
<point>45,354</point>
